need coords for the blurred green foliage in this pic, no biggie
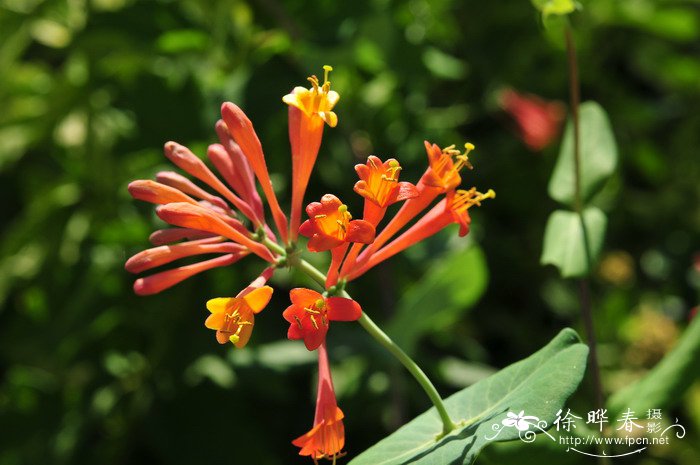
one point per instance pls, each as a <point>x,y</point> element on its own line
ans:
<point>91,89</point>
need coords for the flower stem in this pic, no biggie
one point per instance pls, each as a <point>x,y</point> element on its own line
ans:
<point>420,376</point>
<point>381,337</point>
<point>584,289</point>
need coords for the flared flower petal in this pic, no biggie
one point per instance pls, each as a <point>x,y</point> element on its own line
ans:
<point>233,318</point>
<point>379,182</point>
<point>310,314</point>
<point>331,225</point>
<point>445,165</point>
<point>318,100</point>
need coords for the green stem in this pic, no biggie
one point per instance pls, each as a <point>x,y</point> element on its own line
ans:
<point>381,337</point>
<point>419,375</point>
<point>274,246</point>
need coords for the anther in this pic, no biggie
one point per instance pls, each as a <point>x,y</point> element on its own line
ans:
<point>296,318</point>
<point>313,321</point>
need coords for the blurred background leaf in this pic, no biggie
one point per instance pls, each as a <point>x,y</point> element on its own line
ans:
<point>598,155</point>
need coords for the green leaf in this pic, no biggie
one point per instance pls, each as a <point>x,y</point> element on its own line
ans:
<point>449,288</point>
<point>564,245</point>
<point>538,385</point>
<point>555,7</point>
<point>598,153</point>
<point>443,65</point>
<point>666,383</point>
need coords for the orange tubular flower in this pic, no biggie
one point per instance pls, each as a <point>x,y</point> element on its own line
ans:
<point>233,317</point>
<point>183,158</point>
<point>196,217</point>
<point>204,224</point>
<point>331,225</point>
<point>310,315</point>
<point>379,185</point>
<point>165,279</point>
<point>452,209</point>
<point>441,176</point>
<point>241,129</point>
<point>327,437</point>
<point>234,167</point>
<point>309,109</point>
<point>538,120</point>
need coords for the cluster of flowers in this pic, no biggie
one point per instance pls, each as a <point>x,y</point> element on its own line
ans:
<point>232,224</point>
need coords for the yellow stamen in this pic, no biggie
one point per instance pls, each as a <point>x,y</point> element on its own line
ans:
<point>326,83</point>
<point>465,199</point>
<point>298,321</point>
<point>313,321</point>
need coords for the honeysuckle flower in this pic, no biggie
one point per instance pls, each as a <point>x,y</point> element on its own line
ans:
<point>441,176</point>
<point>229,160</point>
<point>309,111</point>
<point>452,209</point>
<point>445,165</point>
<point>538,121</point>
<point>330,225</point>
<point>165,279</point>
<point>241,129</point>
<point>310,315</point>
<point>191,216</point>
<point>233,318</point>
<point>203,219</point>
<point>379,185</point>
<point>164,254</point>
<point>183,158</point>
<point>157,193</point>
<point>319,100</point>
<point>326,438</point>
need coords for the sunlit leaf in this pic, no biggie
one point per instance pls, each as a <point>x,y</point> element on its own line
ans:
<point>538,385</point>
